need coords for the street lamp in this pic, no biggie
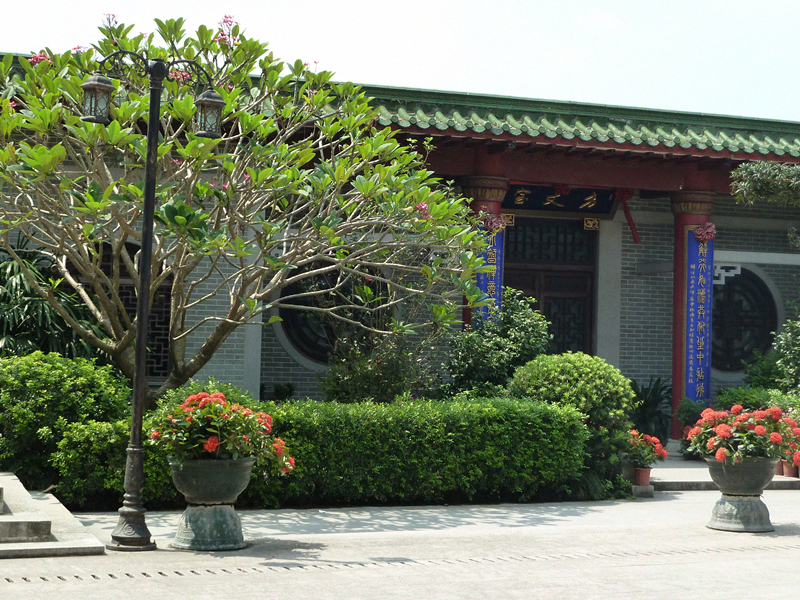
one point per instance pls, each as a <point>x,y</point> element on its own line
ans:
<point>131,532</point>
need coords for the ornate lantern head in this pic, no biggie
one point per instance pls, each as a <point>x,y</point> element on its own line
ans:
<point>97,92</point>
<point>209,114</point>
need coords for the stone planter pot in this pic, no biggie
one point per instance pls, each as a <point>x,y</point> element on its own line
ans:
<point>211,487</point>
<point>740,508</point>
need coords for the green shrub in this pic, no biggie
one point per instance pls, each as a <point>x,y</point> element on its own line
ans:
<point>754,398</point>
<point>751,398</point>
<point>787,350</point>
<point>489,352</point>
<point>91,460</point>
<point>494,449</point>
<point>595,388</point>
<point>356,374</point>
<point>652,413</point>
<point>40,395</point>
<point>764,372</point>
<point>91,463</point>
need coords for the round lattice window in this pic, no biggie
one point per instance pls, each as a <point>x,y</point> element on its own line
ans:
<point>311,327</point>
<point>744,319</point>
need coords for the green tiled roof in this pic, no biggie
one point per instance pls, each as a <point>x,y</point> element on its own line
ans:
<point>585,125</point>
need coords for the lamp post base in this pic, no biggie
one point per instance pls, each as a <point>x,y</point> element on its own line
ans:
<point>131,534</point>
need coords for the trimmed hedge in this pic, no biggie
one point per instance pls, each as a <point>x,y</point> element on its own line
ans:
<point>418,452</point>
<point>494,449</point>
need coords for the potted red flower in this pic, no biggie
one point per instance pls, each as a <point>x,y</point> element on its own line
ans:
<point>742,449</point>
<point>643,452</point>
<point>213,446</point>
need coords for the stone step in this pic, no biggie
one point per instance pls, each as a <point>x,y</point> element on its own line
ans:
<point>24,527</point>
<point>22,520</point>
<point>36,524</point>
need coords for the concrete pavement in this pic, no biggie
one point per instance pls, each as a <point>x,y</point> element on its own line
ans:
<point>621,550</point>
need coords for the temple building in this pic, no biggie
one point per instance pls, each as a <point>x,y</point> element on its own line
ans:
<point>619,221</point>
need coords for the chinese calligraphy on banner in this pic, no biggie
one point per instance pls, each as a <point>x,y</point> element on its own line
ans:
<point>492,282</point>
<point>699,301</point>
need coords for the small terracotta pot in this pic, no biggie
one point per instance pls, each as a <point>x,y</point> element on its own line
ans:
<point>641,476</point>
<point>789,468</point>
<point>779,467</point>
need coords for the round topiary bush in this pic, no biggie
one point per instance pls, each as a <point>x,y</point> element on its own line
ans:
<point>40,395</point>
<point>597,389</point>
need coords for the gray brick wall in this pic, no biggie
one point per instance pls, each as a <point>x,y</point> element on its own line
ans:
<point>227,364</point>
<point>646,300</point>
<point>278,367</point>
<point>646,305</point>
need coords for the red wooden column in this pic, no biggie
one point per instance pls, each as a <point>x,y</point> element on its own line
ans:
<point>487,193</point>
<point>689,209</point>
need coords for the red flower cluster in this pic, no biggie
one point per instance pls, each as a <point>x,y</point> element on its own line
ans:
<point>208,426</point>
<point>738,433</point>
<point>645,449</point>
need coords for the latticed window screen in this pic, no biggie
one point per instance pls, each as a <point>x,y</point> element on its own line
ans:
<point>553,261</point>
<point>549,241</point>
<point>744,318</point>
<point>158,328</point>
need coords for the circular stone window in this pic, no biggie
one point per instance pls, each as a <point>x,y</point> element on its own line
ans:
<point>744,319</point>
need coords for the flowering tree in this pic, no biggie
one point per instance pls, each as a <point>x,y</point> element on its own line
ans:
<point>302,187</point>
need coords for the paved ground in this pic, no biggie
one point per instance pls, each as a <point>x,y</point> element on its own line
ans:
<point>655,548</point>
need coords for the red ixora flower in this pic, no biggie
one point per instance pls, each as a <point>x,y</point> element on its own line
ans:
<point>737,408</point>
<point>279,445</point>
<point>760,430</point>
<point>211,444</point>
<point>720,455</point>
<point>722,430</point>
<point>155,435</point>
<point>775,438</point>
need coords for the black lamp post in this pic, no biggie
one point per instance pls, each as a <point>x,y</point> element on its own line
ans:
<point>131,532</point>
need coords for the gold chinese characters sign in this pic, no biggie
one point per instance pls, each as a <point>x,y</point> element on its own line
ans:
<point>560,199</point>
<point>699,301</point>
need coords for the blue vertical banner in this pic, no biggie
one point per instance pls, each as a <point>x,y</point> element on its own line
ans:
<point>699,302</point>
<point>492,282</point>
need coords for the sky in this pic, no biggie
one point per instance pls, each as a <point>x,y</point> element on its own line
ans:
<point>731,57</point>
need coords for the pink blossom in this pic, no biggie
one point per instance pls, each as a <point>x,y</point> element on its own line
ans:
<point>39,57</point>
<point>181,76</point>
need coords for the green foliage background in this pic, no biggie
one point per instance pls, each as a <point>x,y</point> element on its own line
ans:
<point>41,395</point>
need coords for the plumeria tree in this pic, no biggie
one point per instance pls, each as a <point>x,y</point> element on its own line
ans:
<point>303,192</point>
<point>763,181</point>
